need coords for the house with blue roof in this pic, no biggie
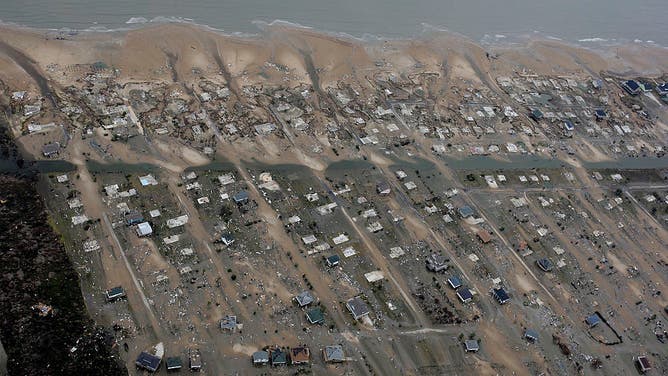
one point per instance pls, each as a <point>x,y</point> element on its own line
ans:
<point>632,87</point>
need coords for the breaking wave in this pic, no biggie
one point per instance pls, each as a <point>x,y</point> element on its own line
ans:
<point>592,40</point>
<point>136,20</point>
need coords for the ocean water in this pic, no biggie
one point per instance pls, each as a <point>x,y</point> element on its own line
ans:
<point>577,21</point>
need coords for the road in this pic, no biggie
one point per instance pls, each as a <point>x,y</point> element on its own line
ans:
<point>380,261</point>
<point>135,281</point>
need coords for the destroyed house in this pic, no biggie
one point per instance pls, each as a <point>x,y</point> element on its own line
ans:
<point>600,114</point>
<point>536,114</point>
<point>229,322</point>
<point>357,307</point>
<point>115,293</point>
<point>260,358</point>
<point>383,188</point>
<point>500,295</point>
<point>195,360</point>
<point>133,217</point>
<point>437,263</point>
<point>300,355</point>
<point>544,264</point>
<point>662,89</point>
<point>148,361</point>
<point>646,86</point>
<point>227,239</point>
<point>51,149</point>
<point>568,126</point>
<point>333,354</point>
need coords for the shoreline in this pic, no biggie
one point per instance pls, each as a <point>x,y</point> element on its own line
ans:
<point>624,60</point>
<point>518,39</point>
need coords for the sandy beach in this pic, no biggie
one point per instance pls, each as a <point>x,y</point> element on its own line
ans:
<point>423,161</point>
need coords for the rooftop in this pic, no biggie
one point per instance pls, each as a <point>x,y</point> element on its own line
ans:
<point>148,361</point>
<point>465,211</point>
<point>471,345</point>
<point>315,316</point>
<point>260,357</point>
<point>501,295</point>
<point>357,307</point>
<point>593,320</point>
<point>454,282</point>
<point>531,335</point>
<point>278,356</point>
<point>173,362</point>
<point>544,264</point>
<point>229,322</point>
<point>464,294</point>
<point>300,355</point>
<point>333,354</point>
<point>304,298</point>
<point>333,260</point>
<point>240,197</point>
